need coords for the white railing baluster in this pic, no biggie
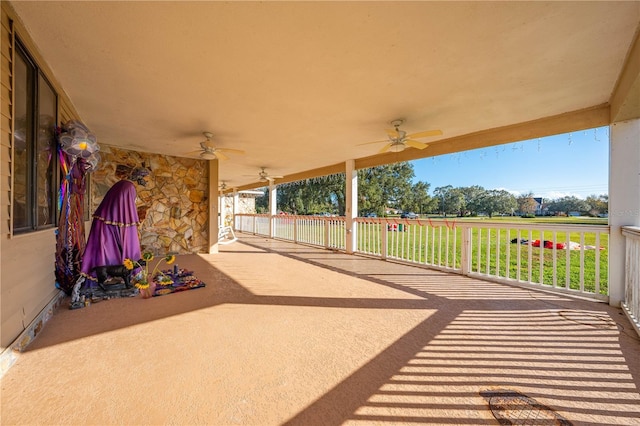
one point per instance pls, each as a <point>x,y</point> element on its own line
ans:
<point>421,230</point>
<point>530,257</point>
<point>413,238</point>
<point>440,246</point>
<point>519,252</point>
<point>554,238</point>
<point>465,258</point>
<point>567,277</point>
<point>488,253</point>
<point>401,235</point>
<point>582,261</point>
<point>455,247</point>
<point>541,258</point>
<point>507,260</point>
<point>597,269</point>
<point>479,253</point>
<point>384,241</point>
<point>446,252</point>
<point>498,242</point>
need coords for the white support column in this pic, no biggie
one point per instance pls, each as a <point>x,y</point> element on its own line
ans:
<point>273,207</point>
<point>624,198</point>
<point>351,206</point>
<point>213,206</point>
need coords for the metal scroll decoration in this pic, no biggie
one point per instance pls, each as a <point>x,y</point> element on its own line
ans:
<point>78,152</point>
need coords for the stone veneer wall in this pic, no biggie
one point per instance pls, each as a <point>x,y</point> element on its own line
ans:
<point>173,207</point>
<point>246,205</point>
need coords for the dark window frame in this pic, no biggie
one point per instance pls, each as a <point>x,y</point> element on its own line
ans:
<point>33,188</point>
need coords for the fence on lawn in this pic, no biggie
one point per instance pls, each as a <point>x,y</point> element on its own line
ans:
<point>563,257</point>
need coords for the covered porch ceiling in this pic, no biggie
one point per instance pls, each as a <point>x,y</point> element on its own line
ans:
<point>300,86</point>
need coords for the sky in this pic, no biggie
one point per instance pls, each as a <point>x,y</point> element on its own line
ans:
<point>574,163</point>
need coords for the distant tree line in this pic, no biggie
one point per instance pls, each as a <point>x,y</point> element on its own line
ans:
<point>390,187</point>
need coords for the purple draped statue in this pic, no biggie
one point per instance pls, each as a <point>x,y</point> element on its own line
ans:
<point>114,231</point>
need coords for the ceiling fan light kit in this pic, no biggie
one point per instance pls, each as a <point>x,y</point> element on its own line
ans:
<point>397,147</point>
<point>208,155</point>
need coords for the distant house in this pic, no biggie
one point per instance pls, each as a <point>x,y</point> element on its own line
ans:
<point>540,207</point>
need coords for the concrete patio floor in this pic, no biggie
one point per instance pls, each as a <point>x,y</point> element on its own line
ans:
<point>289,334</point>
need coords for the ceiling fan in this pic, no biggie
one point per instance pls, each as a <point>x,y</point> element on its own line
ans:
<point>265,177</point>
<point>209,152</point>
<point>399,140</point>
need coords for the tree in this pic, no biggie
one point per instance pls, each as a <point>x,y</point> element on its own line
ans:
<point>419,200</point>
<point>378,188</point>
<point>384,186</point>
<point>471,196</point>
<point>450,199</point>
<point>262,202</point>
<point>497,201</point>
<point>568,204</point>
<point>527,204</point>
<point>316,195</point>
<point>598,204</point>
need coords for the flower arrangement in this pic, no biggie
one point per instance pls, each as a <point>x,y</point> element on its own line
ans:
<point>142,278</point>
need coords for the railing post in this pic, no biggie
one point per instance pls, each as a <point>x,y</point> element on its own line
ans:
<point>295,229</point>
<point>465,255</point>
<point>383,244</point>
<point>326,233</point>
<point>272,227</point>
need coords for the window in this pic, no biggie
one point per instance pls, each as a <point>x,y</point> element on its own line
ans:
<point>35,156</point>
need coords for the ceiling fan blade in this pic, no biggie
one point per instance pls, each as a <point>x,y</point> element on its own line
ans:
<point>393,133</point>
<point>425,134</point>
<point>385,148</point>
<point>220,155</point>
<point>369,143</point>
<point>193,152</point>
<point>235,151</point>
<point>415,144</point>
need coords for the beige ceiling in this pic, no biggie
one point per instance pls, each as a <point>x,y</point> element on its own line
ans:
<point>301,85</point>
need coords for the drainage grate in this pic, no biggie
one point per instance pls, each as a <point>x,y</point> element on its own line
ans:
<point>513,408</point>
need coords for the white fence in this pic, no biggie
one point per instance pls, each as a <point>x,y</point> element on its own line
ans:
<point>631,304</point>
<point>563,257</point>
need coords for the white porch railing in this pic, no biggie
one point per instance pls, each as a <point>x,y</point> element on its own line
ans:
<point>328,232</point>
<point>631,304</point>
<point>252,223</point>
<point>563,257</point>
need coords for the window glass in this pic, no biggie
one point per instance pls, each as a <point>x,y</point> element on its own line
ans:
<point>23,126</point>
<point>45,153</point>
<point>35,162</point>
